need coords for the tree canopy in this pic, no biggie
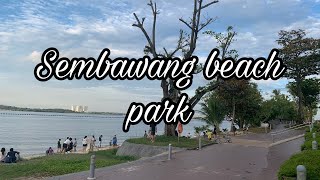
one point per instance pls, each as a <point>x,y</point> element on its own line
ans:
<point>301,55</point>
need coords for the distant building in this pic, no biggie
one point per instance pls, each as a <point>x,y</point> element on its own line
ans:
<point>85,109</point>
<point>79,108</point>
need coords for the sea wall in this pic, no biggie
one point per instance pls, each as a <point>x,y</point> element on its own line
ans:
<point>142,150</point>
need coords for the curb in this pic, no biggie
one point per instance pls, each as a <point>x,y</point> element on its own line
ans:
<point>286,140</point>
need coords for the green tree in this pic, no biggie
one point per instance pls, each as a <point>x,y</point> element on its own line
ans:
<point>213,111</point>
<point>310,89</point>
<point>279,107</point>
<point>249,106</point>
<point>242,99</point>
<point>301,55</point>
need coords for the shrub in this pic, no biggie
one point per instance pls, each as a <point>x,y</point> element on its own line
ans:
<point>309,158</point>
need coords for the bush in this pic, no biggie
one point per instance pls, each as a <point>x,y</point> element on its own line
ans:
<point>309,158</point>
<point>307,145</point>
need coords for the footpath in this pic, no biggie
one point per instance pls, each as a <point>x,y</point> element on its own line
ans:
<point>247,157</point>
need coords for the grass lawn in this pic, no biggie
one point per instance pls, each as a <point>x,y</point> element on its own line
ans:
<point>60,164</point>
<point>166,140</point>
<point>309,158</point>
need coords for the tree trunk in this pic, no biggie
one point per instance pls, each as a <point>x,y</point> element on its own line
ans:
<point>173,94</point>
<point>300,105</point>
<point>233,114</point>
<point>169,130</point>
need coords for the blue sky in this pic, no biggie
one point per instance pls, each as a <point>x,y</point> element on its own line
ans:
<point>83,28</point>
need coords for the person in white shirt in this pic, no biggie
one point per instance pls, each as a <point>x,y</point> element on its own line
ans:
<point>2,154</point>
<point>66,143</point>
<point>84,144</point>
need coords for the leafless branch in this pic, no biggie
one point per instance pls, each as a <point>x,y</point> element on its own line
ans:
<point>209,21</point>
<point>165,51</point>
<point>207,5</point>
<point>186,23</point>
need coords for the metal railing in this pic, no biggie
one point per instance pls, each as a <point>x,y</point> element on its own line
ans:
<point>291,131</point>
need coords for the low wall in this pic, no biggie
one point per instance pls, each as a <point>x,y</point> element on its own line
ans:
<point>142,150</point>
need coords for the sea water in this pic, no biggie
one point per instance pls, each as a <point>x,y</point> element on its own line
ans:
<point>32,133</point>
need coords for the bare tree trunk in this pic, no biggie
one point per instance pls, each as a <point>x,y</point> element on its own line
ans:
<point>300,103</point>
<point>195,27</point>
<point>233,115</point>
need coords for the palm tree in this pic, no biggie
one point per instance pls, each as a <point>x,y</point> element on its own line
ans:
<point>213,111</point>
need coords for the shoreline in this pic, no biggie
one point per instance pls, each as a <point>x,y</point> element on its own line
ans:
<point>103,148</point>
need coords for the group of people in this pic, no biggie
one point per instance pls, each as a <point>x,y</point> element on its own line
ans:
<point>67,146</point>
<point>89,144</point>
<point>208,134</point>
<point>10,157</point>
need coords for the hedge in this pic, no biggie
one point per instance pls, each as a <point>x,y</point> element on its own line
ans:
<point>309,158</point>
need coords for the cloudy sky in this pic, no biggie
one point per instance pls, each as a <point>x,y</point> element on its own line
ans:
<point>84,27</point>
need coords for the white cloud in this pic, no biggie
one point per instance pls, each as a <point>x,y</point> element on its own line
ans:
<point>35,56</point>
<point>74,30</point>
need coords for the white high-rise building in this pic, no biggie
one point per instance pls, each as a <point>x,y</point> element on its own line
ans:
<point>77,108</point>
<point>85,109</point>
<point>80,109</point>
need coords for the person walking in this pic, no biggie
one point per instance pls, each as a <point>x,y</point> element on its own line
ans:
<point>100,140</point>
<point>215,132</point>
<point>75,145</point>
<point>153,132</point>
<point>92,143</point>
<point>59,146</point>
<point>84,144</point>
<point>65,145</point>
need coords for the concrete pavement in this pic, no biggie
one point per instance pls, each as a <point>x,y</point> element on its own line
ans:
<point>222,162</point>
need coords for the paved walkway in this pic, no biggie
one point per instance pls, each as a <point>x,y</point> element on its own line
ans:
<point>252,160</point>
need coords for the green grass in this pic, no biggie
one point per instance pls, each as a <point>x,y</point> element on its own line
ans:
<point>60,164</point>
<point>309,158</point>
<point>166,140</point>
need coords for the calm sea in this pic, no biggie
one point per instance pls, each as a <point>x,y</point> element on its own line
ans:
<point>32,133</point>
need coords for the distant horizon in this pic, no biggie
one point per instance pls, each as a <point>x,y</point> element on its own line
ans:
<point>58,109</point>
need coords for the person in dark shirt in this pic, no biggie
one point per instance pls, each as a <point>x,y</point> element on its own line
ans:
<point>70,147</point>
<point>59,146</point>
<point>12,156</point>
<point>153,131</point>
<point>114,140</point>
<point>100,140</point>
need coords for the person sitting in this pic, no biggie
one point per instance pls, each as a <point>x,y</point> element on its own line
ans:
<point>205,135</point>
<point>2,154</point>
<point>209,134</point>
<point>49,151</point>
<point>189,135</point>
<point>114,141</point>
<point>11,156</point>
